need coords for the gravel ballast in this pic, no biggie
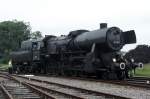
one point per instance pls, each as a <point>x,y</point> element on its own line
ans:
<point>120,90</point>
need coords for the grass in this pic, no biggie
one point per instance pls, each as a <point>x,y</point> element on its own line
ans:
<point>143,72</point>
<point>4,66</point>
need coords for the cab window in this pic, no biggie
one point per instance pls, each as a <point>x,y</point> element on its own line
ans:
<point>34,46</point>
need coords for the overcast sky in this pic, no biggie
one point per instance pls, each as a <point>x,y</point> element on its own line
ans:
<point>61,16</point>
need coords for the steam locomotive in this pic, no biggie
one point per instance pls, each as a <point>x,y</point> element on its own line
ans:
<point>80,53</point>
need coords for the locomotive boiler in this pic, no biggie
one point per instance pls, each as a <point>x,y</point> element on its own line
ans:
<point>80,53</point>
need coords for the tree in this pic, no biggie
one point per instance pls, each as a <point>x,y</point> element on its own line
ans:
<point>12,33</point>
<point>36,35</point>
<point>140,53</point>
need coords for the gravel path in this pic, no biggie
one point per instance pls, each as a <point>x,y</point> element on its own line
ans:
<point>126,91</point>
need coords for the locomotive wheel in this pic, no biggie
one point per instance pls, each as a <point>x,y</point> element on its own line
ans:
<point>68,73</point>
<point>109,76</point>
<point>77,73</point>
<point>17,71</point>
<point>46,68</point>
<point>62,72</point>
<point>105,75</point>
<point>99,75</point>
<point>10,70</point>
<point>121,75</point>
<point>112,76</point>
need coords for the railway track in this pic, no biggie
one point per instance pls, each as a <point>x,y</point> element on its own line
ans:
<point>15,89</point>
<point>142,82</point>
<point>59,91</point>
<point>74,92</point>
<point>123,88</point>
<point>2,96</point>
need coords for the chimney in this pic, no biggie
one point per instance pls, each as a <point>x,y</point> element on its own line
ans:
<point>103,25</point>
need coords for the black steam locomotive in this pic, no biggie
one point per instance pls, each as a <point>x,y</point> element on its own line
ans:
<point>80,53</point>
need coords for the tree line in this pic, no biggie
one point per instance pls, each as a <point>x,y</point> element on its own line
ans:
<point>12,33</point>
<point>140,54</point>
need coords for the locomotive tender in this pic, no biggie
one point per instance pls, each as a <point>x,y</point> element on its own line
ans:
<point>81,52</point>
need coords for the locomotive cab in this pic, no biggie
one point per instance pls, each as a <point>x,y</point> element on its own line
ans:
<point>36,48</point>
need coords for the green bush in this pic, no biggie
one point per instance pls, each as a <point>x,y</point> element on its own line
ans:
<point>4,60</point>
